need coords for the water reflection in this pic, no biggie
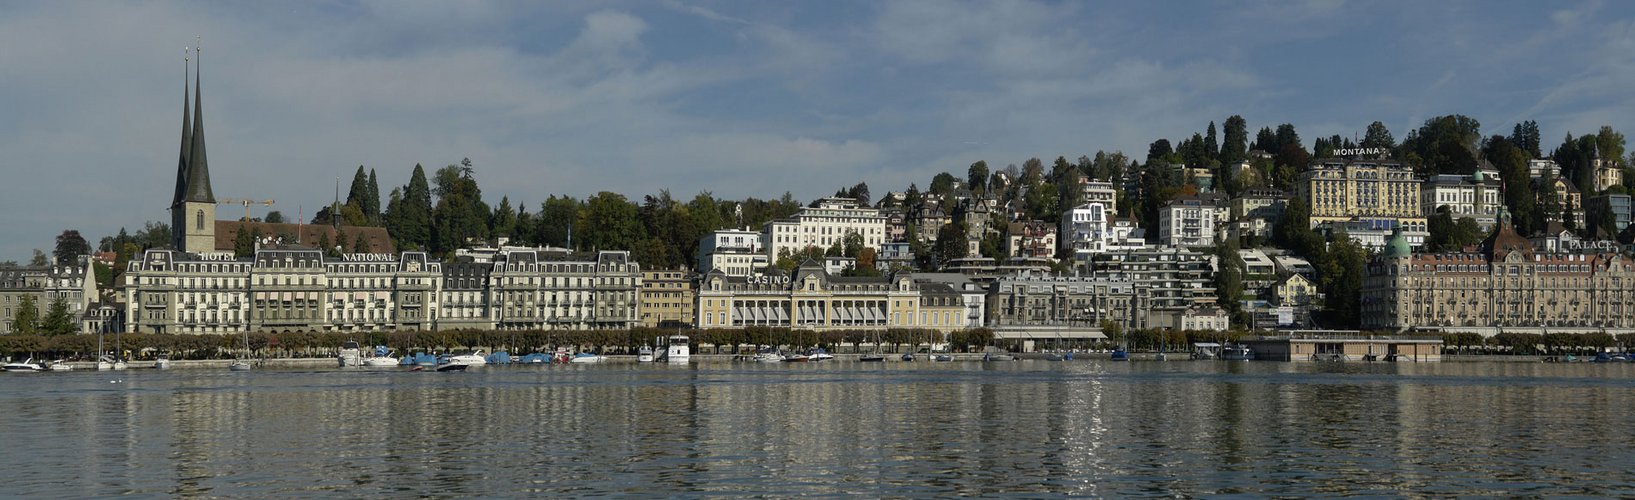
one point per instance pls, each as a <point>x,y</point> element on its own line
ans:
<point>1081,428</point>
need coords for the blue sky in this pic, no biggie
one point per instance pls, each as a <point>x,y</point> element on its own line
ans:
<point>738,98</point>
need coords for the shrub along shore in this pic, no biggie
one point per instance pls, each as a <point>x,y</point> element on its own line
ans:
<point>137,346</point>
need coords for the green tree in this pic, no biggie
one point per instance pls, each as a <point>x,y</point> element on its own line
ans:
<point>977,177</point>
<point>460,214</point>
<point>414,223</point>
<point>39,259</point>
<point>951,243</point>
<point>1229,277</point>
<point>1349,262</point>
<point>371,201</point>
<point>1377,136</point>
<point>358,194</point>
<point>943,183</point>
<point>504,220</point>
<point>243,244</point>
<point>1446,144</point>
<point>361,244</point>
<point>609,222</point>
<point>275,217</point>
<point>58,321</point>
<point>557,216</point>
<point>1235,141</point>
<point>1610,143</point>
<point>26,319</point>
<point>1212,147</point>
<point>70,246</point>
<point>1511,162</point>
<point>1526,137</point>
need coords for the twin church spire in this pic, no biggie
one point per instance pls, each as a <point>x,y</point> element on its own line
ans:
<point>193,166</point>
<point>193,208</point>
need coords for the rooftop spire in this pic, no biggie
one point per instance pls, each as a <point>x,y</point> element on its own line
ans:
<point>198,165</point>
<point>187,137</point>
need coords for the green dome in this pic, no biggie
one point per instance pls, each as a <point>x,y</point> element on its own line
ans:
<point>1479,178</point>
<point>1397,246</point>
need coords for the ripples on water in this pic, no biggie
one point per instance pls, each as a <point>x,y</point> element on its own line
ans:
<point>923,429</point>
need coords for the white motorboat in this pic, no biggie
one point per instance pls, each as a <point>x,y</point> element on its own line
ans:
<point>768,356</point>
<point>645,354</point>
<point>468,358</point>
<point>27,365</point>
<point>162,362</point>
<point>585,357</point>
<point>679,351</point>
<point>59,366</point>
<point>239,366</point>
<point>819,355</point>
<point>381,358</point>
<point>351,354</point>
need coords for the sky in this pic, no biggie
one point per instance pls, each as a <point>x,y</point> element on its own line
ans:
<point>736,98</point>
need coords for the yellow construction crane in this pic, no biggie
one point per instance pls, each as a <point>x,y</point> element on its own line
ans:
<point>246,202</point>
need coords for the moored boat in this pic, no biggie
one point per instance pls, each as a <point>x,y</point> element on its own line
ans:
<point>679,351</point>
<point>382,358</point>
<point>1120,354</point>
<point>645,354</point>
<point>820,355</point>
<point>1237,352</point>
<point>27,365</point>
<point>59,366</point>
<point>162,362</point>
<point>585,357</point>
<point>796,358</point>
<point>351,354</point>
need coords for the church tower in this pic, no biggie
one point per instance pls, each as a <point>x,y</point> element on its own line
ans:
<point>193,208</point>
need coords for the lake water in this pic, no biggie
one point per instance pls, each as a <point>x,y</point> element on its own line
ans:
<point>1092,428</point>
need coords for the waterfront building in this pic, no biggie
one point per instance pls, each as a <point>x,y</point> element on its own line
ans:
<point>1256,211</point>
<point>1187,221</point>
<point>74,283</point>
<point>927,220</point>
<point>1476,196</point>
<point>1175,279</point>
<point>1571,200</point>
<point>1031,240</point>
<point>1542,167</point>
<point>1370,194</point>
<point>463,298</point>
<point>736,252</point>
<point>972,296</point>
<point>824,224</point>
<point>894,255</point>
<point>1038,304</point>
<point>1505,284</point>
<point>287,289</point>
<point>811,298</point>
<point>1608,172</point>
<point>533,292</point>
<point>1099,192</point>
<point>1091,228</point>
<point>167,291</point>
<point>667,297</point>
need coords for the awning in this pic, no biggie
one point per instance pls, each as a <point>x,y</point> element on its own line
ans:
<point>757,313</point>
<point>806,314</point>
<point>782,316</point>
<point>875,314</point>
<point>844,313</point>
<point>739,314</point>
